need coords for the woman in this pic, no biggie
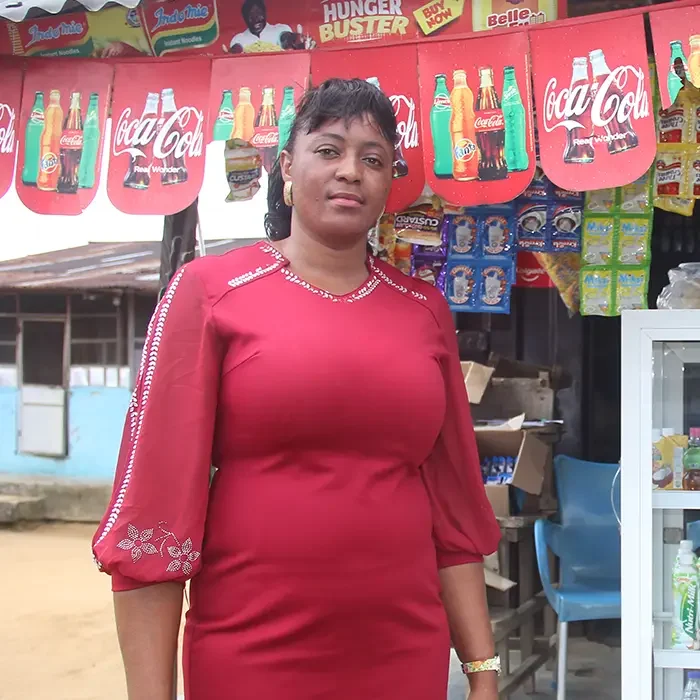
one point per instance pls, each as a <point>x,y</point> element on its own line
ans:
<point>346,522</point>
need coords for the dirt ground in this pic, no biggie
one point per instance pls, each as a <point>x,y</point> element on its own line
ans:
<point>57,636</point>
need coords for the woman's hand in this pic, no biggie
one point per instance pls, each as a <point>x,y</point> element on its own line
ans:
<point>482,686</point>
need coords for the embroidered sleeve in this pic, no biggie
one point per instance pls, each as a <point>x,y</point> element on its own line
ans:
<point>464,527</point>
<point>153,528</point>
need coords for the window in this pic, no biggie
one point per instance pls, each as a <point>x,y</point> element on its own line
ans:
<point>8,340</point>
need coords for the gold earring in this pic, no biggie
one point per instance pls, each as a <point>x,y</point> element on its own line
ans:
<point>287,194</point>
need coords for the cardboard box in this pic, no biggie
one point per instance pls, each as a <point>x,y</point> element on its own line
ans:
<point>476,379</point>
<point>531,460</point>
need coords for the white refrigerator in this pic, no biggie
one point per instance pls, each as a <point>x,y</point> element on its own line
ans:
<point>660,389</point>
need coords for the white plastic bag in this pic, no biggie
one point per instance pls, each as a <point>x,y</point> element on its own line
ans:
<point>683,290</point>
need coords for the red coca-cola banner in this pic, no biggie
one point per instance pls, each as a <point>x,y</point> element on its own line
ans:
<point>394,70</point>
<point>61,127</point>
<point>676,35</point>
<point>255,100</point>
<point>593,102</point>
<point>10,99</point>
<point>477,118</point>
<point>159,122</point>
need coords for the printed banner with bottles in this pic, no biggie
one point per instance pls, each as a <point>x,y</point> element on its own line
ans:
<point>593,101</point>
<point>10,101</point>
<point>676,35</point>
<point>159,123</point>
<point>61,130</point>
<point>254,102</point>
<point>477,118</point>
<point>387,68</point>
<point>215,27</point>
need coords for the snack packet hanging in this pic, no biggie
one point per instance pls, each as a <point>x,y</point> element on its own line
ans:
<point>497,231</point>
<point>564,270</point>
<point>635,198</point>
<point>540,188</point>
<point>420,225</point>
<point>461,286</point>
<point>598,240</point>
<point>403,254</point>
<point>596,291</point>
<point>694,178</point>
<point>670,174</point>
<point>676,205</point>
<point>600,201</point>
<point>243,170</point>
<point>494,287</point>
<point>673,123</point>
<point>463,235</point>
<point>386,239</point>
<point>429,269</point>
<point>634,239</point>
<point>565,227</point>
<point>631,285</point>
<point>531,225</point>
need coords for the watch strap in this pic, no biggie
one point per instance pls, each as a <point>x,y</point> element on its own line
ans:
<point>492,664</point>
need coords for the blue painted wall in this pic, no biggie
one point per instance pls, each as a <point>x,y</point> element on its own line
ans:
<point>96,418</point>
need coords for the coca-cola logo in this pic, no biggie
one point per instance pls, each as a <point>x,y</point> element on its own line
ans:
<point>621,95</point>
<point>490,121</point>
<point>266,138</point>
<point>7,129</point>
<point>71,141</point>
<point>179,134</point>
<point>406,124</point>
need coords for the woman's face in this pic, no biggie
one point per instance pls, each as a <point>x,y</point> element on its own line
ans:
<point>341,176</point>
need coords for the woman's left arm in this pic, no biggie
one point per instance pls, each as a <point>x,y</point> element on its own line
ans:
<point>464,598</point>
<point>464,526</point>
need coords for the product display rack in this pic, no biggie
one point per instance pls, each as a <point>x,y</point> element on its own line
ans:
<point>660,389</point>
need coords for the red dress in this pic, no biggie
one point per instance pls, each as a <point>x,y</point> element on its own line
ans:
<point>347,476</point>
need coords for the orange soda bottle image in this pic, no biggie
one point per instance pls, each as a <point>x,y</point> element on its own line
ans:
<point>49,144</point>
<point>243,117</point>
<point>694,60</point>
<point>465,154</point>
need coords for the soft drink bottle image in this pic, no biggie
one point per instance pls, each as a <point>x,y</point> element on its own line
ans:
<point>49,144</point>
<point>71,148</point>
<point>32,141</point>
<point>514,117</point>
<point>266,134</point>
<point>678,70</point>
<point>288,114</point>
<point>490,129</point>
<point>138,173</point>
<point>579,140</point>
<point>465,155</point>
<point>223,126</point>
<point>400,166</point>
<point>91,144</point>
<point>694,60</point>
<point>440,117</point>
<point>620,136</point>
<point>174,168</point>
<point>243,117</point>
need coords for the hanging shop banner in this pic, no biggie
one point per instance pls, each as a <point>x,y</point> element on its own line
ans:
<point>530,273</point>
<point>216,27</point>
<point>255,100</point>
<point>593,102</point>
<point>477,118</point>
<point>676,36</point>
<point>394,70</point>
<point>159,121</point>
<point>61,127</point>
<point>10,99</point>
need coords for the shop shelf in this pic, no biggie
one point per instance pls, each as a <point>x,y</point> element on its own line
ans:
<point>676,500</point>
<point>672,658</point>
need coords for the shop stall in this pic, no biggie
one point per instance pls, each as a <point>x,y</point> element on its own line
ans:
<point>532,152</point>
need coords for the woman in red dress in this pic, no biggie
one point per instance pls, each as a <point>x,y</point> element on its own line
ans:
<point>342,538</point>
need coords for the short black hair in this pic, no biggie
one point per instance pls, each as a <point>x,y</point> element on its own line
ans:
<point>332,100</point>
<point>248,5</point>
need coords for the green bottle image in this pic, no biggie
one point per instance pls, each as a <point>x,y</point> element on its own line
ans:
<point>91,144</point>
<point>514,117</point>
<point>678,71</point>
<point>287,115</point>
<point>32,138</point>
<point>223,126</point>
<point>440,117</point>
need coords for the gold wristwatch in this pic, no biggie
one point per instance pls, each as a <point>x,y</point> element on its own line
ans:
<point>492,664</point>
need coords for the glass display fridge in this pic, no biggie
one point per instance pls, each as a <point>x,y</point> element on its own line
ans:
<point>660,408</point>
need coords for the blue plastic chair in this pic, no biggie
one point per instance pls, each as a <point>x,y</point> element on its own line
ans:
<point>587,543</point>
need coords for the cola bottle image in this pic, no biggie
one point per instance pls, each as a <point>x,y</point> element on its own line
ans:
<point>266,137</point>
<point>579,140</point>
<point>71,148</point>
<point>400,166</point>
<point>138,174</point>
<point>489,125</point>
<point>620,136</point>
<point>174,168</point>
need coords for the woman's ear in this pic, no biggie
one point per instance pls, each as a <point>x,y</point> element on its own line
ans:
<point>286,165</point>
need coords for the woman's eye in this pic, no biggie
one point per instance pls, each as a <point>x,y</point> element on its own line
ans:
<point>327,152</point>
<point>374,161</point>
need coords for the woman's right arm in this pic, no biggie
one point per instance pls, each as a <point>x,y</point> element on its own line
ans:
<point>148,622</point>
<point>150,538</point>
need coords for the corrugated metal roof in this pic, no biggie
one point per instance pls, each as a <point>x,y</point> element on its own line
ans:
<point>95,266</point>
<point>17,10</point>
